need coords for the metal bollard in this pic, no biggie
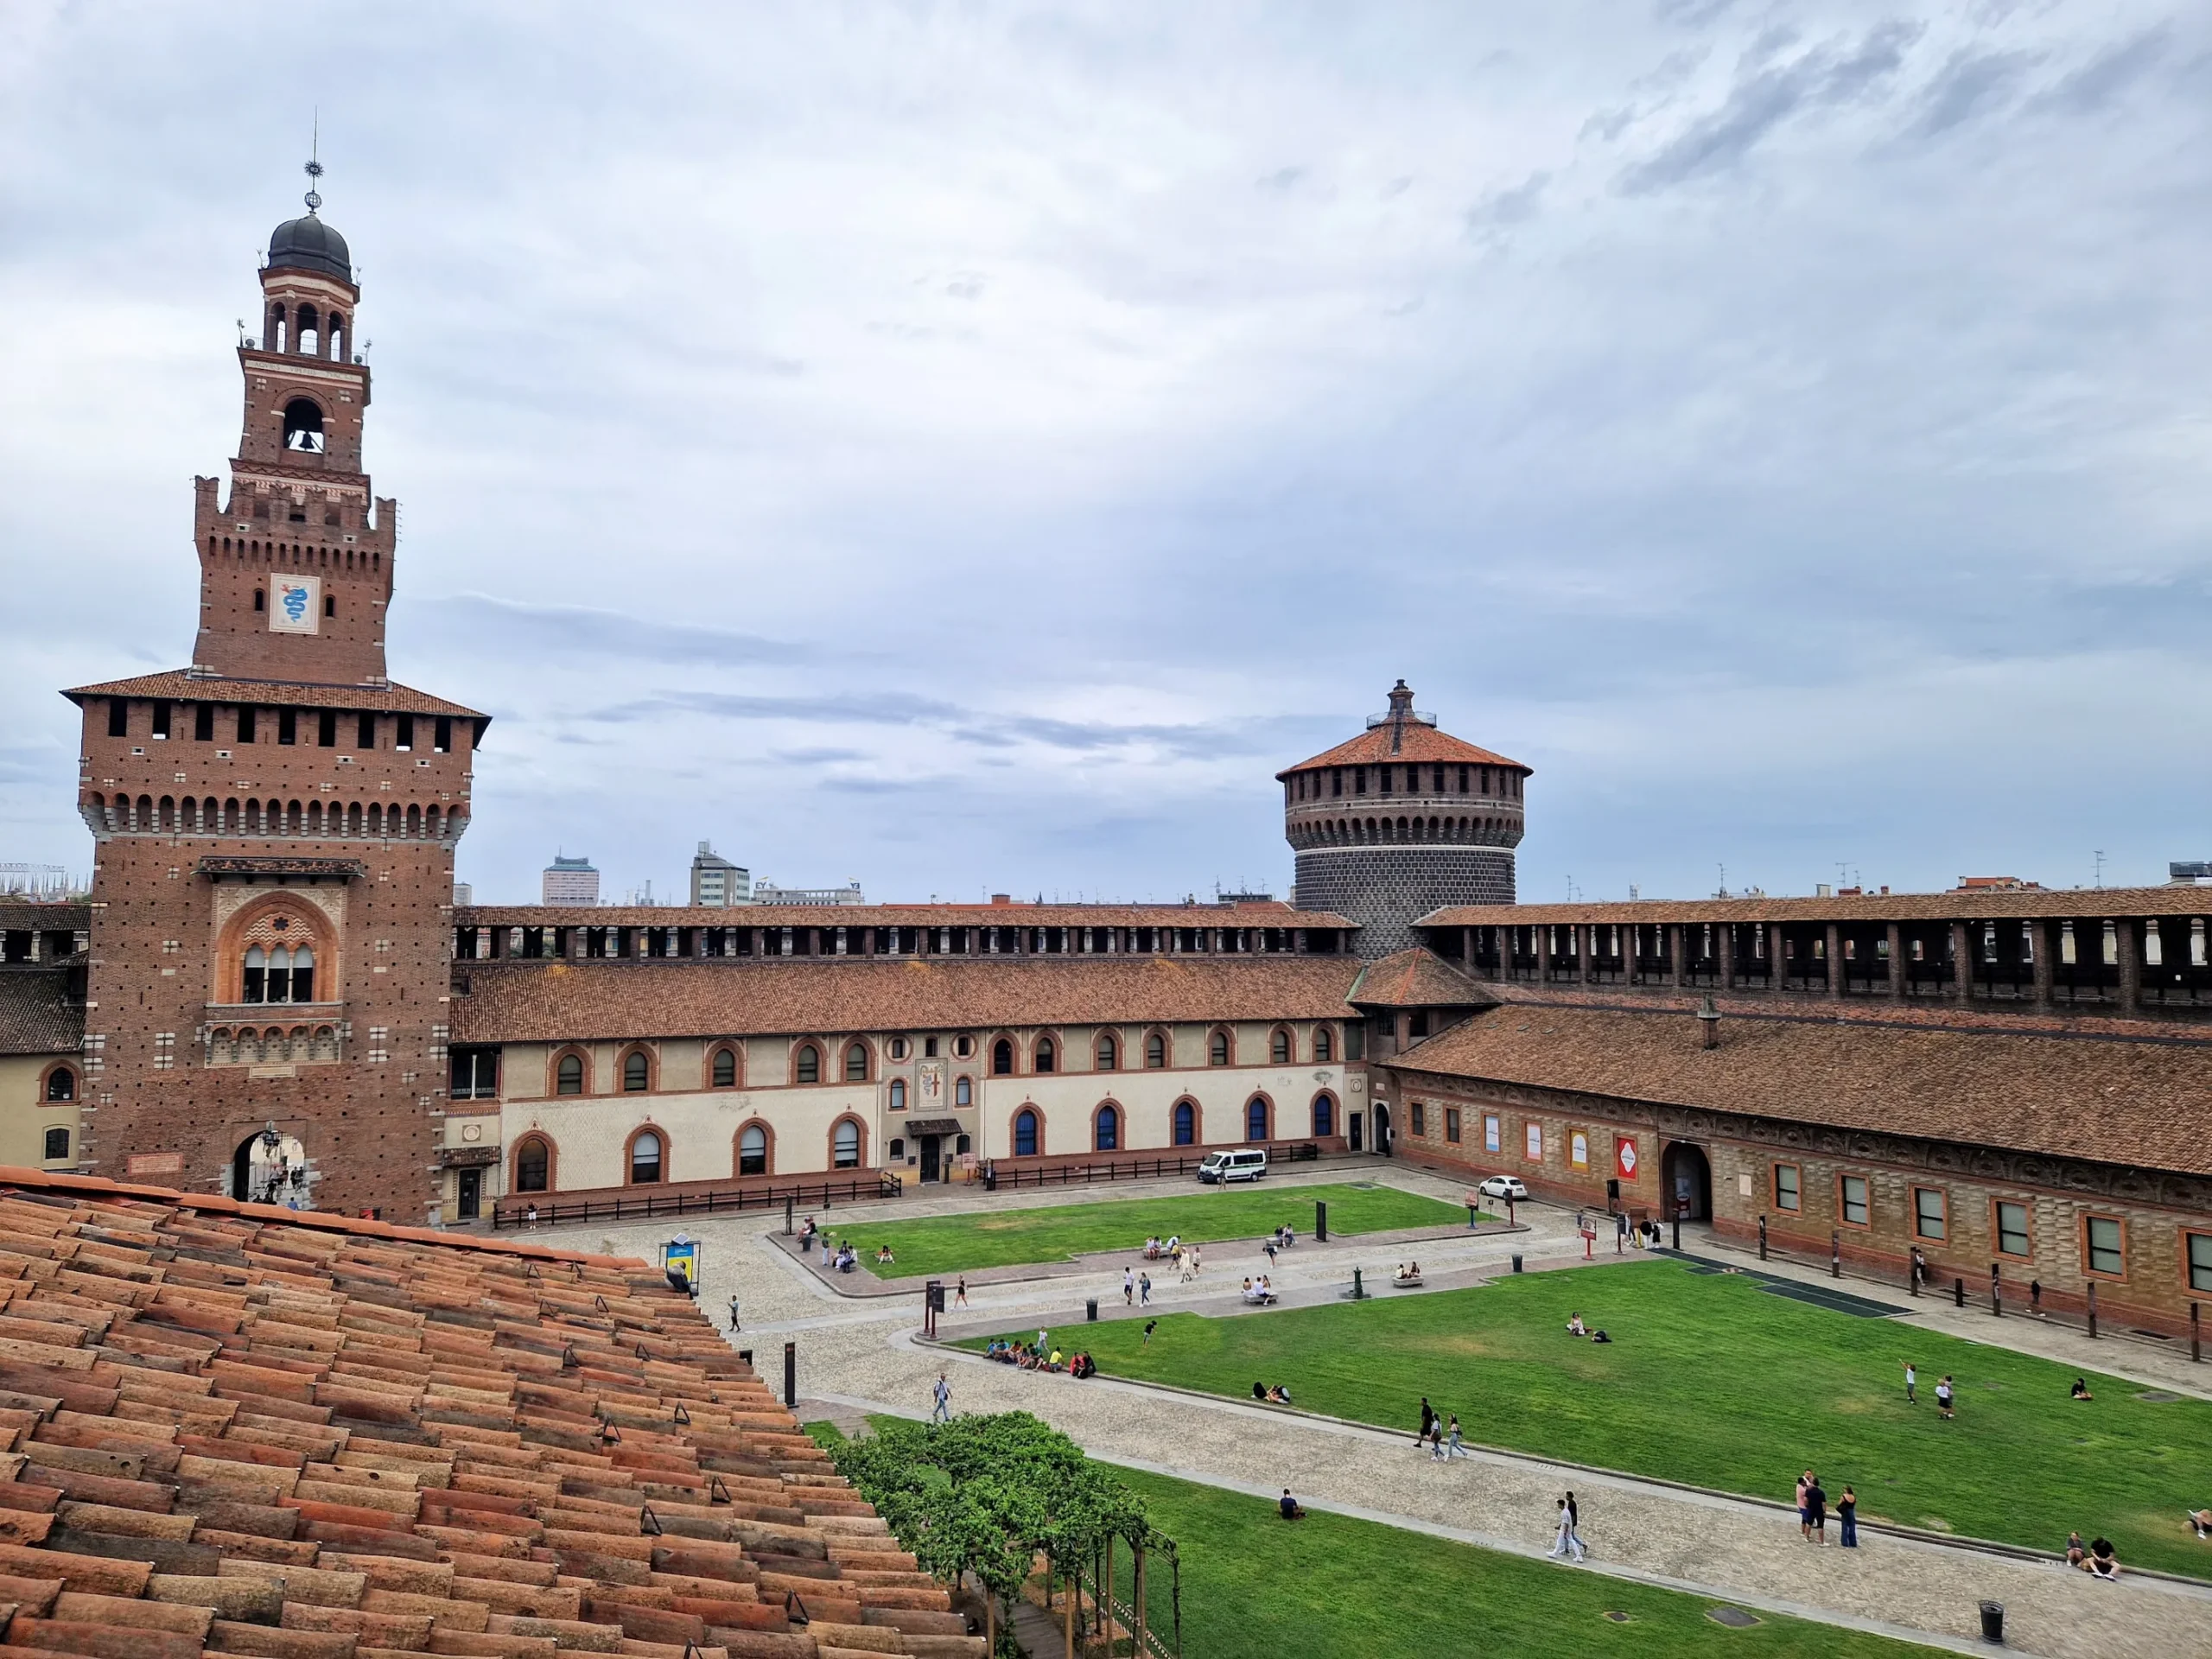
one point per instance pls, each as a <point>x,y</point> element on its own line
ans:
<point>2093,1307</point>
<point>1320,1222</point>
<point>1959,1292</point>
<point>791,1374</point>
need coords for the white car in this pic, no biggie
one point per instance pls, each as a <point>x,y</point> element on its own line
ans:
<point>1504,1186</point>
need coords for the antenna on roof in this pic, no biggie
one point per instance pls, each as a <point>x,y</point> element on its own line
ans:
<point>314,168</point>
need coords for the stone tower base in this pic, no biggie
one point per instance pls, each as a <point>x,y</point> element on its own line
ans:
<point>1386,889</point>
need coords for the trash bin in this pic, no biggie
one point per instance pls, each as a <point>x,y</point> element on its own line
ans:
<point>1516,1264</point>
<point>1993,1621</point>
<point>1090,1310</point>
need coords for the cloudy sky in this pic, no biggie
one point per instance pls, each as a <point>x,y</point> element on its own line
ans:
<point>965,448</point>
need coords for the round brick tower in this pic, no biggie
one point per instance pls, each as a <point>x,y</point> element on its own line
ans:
<point>1401,821</point>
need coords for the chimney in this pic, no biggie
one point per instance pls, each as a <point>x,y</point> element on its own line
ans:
<point>1401,702</point>
<point>1709,1017</point>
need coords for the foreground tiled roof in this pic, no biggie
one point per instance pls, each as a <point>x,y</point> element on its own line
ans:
<point>1418,978</point>
<point>2140,1100</point>
<point>1417,741</point>
<point>518,1002</point>
<point>35,1017</point>
<point>1970,905</point>
<point>176,684</point>
<point>1271,914</point>
<point>70,916</point>
<point>236,1430</point>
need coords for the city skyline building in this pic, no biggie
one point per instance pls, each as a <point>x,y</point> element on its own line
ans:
<point>568,881</point>
<point>717,884</point>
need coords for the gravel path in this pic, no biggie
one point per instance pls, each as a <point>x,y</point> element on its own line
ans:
<point>862,1355</point>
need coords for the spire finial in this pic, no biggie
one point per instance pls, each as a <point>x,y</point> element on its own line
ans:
<point>314,168</point>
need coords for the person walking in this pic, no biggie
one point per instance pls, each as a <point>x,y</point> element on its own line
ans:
<point>733,1313</point>
<point>1436,1440</point>
<point>1620,1234</point>
<point>1911,1384</point>
<point>1144,1290</point>
<point>1567,1541</point>
<point>1268,1250</point>
<point>1847,1514</point>
<point>1428,1419</point>
<point>1150,1325</point>
<point>1453,1447</point>
<point>1128,1288</point>
<point>960,1292</point>
<point>942,1413</point>
<point>1944,1396</point>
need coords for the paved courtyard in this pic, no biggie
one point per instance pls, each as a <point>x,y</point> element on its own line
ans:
<point>862,1354</point>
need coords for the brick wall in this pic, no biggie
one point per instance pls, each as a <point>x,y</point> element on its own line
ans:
<point>1387,888</point>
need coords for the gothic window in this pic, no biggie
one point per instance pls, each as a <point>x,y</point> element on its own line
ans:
<point>1107,1136</point>
<point>1324,1116</point>
<point>1109,1052</point>
<point>645,1159</point>
<point>1279,1048</point>
<point>1186,1123</point>
<point>752,1151</point>
<point>725,1071</point>
<point>1025,1133</point>
<point>569,1076</point>
<point>964,1092</point>
<point>1156,1052</point>
<point>1255,1119</point>
<point>809,1068</point>
<point>1325,1048</point>
<point>533,1163</point>
<point>857,1063</point>
<point>637,1072</point>
<point>1002,1058</point>
<point>1045,1054</point>
<point>847,1144</point>
<point>1218,1048</point>
<point>304,426</point>
<point>61,1085</point>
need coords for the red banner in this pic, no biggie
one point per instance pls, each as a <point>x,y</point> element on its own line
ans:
<point>1624,1158</point>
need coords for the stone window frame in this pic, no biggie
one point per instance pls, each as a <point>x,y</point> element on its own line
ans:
<point>1287,1040</point>
<point>869,1066</point>
<point>1336,1113</point>
<point>860,1143</point>
<point>630,1156</point>
<point>1794,1204</point>
<point>1013,1054</point>
<point>2190,1286</point>
<point>1325,1045</point>
<point>1198,1120</point>
<point>1532,1134</point>
<point>1223,1037</point>
<point>2082,1239</point>
<point>1417,1120</point>
<point>1014,1130</point>
<point>1046,1051</point>
<point>1161,1035</point>
<point>1120,1125</point>
<point>638,1052</point>
<point>1942,1198</point>
<point>736,1050</point>
<point>62,1068</point>
<point>1099,1039</point>
<point>1997,1228</point>
<point>1267,1101</point>
<point>798,1049</point>
<point>1843,1204</point>
<point>1452,1125</point>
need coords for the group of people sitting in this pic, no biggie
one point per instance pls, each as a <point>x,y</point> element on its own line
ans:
<point>1576,1328</point>
<point>842,1256</point>
<point>1157,1248</point>
<point>1273,1392</point>
<point>2096,1558</point>
<point>1285,1238</point>
<point>1259,1292</point>
<point>1030,1357</point>
<point>1408,1273</point>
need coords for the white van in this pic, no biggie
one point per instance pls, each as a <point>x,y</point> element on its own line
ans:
<point>1247,1163</point>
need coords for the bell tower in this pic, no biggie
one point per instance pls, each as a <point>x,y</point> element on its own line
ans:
<point>295,566</point>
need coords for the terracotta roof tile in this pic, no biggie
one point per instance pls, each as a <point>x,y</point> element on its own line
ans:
<point>2139,1100</point>
<point>528,1001</point>
<point>36,1016</point>
<point>180,686</point>
<point>1417,978</point>
<point>275,1466</point>
<point>1417,741</point>
<point>1271,913</point>
<point>1972,905</point>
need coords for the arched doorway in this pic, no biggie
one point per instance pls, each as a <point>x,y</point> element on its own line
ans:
<point>270,1167</point>
<point>1382,1128</point>
<point>1685,1176</point>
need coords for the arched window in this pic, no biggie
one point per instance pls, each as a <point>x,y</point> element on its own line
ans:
<point>534,1163</point>
<point>645,1159</point>
<point>809,1064</point>
<point>1325,1046</point>
<point>256,977</point>
<point>1155,1051</point>
<point>61,1085</point>
<point>1218,1048</point>
<point>1186,1123</point>
<point>302,974</point>
<point>1279,1048</point>
<point>898,1094</point>
<point>1002,1058</point>
<point>1106,1129</point>
<point>857,1063</point>
<point>847,1144</point>
<point>1324,1116</point>
<point>963,1092</point>
<point>1025,1133</point>
<point>304,426</point>
<point>1045,1054</point>
<point>725,1073</point>
<point>1255,1119</point>
<point>637,1072</point>
<point>1109,1052</point>
<point>569,1076</point>
<point>753,1150</point>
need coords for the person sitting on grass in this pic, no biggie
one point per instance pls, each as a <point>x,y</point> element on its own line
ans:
<point>1259,1390</point>
<point>1575,1327</point>
<point>1288,1507</point>
<point>2200,1523</point>
<point>883,1254</point>
<point>1278,1394</point>
<point>2103,1564</point>
<point>1598,1335</point>
<point>1055,1363</point>
<point>1083,1365</point>
<point>2077,1553</point>
<point>2080,1390</point>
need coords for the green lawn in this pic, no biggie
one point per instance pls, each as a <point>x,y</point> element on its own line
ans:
<point>942,1245</point>
<point>1711,1381</point>
<point>1254,1587</point>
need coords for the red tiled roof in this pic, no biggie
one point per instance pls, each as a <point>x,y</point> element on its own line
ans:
<point>1970,905</point>
<point>1416,978</point>
<point>240,1430</point>
<point>181,687</point>
<point>36,1016</point>
<point>1417,741</point>
<point>1022,915</point>
<point>528,1001</point>
<point>2140,1099</point>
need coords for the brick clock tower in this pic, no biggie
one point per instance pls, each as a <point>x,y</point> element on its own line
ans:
<point>266,1014</point>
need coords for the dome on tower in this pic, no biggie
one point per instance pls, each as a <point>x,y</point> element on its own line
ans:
<point>307,243</point>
